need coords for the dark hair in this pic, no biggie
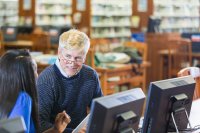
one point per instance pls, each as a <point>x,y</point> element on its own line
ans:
<point>16,75</point>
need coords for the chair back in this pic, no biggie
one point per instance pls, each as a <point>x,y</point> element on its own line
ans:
<point>179,55</point>
<point>1,43</point>
<point>100,45</point>
<point>41,42</point>
<point>141,70</point>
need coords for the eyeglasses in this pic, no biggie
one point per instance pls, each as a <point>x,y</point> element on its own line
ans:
<point>69,59</point>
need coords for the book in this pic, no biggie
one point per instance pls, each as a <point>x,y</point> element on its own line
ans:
<point>82,124</point>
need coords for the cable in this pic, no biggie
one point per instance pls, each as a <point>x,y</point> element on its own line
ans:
<point>139,130</point>
<point>197,127</point>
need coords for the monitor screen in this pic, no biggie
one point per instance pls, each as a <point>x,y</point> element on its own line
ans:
<point>153,24</point>
<point>195,38</point>
<point>25,29</point>
<point>116,113</point>
<point>55,32</point>
<point>9,33</point>
<point>168,99</point>
<point>54,35</point>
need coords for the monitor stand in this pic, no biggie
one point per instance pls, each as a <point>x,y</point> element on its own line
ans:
<point>178,107</point>
<point>124,121</point>
<point>180,110</point>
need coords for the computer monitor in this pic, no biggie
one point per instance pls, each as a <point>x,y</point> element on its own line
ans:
<point>54,33</point>
<point>195,39</point>
<point>119,112</point>
<point>9,33</point>
<point>168,99</point>
<point>153,24</point>
<point>14,125</point>
<point>25,29</point>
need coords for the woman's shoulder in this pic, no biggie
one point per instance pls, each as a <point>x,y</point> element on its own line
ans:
<point>24,98</point>
<point>22,106</point>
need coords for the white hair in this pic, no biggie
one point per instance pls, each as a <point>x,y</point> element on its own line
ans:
<point>74,39</point>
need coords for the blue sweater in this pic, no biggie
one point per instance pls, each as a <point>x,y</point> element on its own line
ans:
<point>58,93</point>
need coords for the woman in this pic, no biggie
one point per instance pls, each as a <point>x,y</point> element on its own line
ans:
<point>18,95</point>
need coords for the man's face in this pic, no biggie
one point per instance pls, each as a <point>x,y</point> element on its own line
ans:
<point>71,61</point>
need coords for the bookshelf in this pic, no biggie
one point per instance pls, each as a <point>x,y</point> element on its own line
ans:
<point>177,15</point>
<point>9,12</point>
<point>110,19</point>
<point>53,13</point>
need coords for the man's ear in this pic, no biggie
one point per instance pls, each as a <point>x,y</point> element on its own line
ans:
<point>84,59</point>
<point>59,52</point>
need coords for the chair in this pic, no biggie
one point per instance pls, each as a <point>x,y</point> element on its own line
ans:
<point>91,53</point>
<point>185,72</point>
<point>1,44</point>
<point>179,55</point>
<point>141,69</point>
<point>41,41</point>
<point>104,73</point>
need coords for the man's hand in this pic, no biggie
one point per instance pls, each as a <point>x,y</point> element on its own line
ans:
<point>61,121</point>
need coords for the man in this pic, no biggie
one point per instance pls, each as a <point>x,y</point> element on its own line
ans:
<point>68,84</point>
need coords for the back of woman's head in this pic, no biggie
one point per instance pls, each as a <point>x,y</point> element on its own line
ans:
<point>16,75</point>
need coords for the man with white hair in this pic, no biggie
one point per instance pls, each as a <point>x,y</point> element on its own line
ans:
<point>68,84</point>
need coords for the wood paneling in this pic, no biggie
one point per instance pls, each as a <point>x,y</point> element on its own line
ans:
<point>27,13</point>
<point>157,42</point>
<point>142,15</point>
<point>84,24</point>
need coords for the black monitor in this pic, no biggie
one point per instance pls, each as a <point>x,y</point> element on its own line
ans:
<point>13,125</point>
<point>25,29</point>
<point>119,112</point>
<point>168,99</point>
<point>55,33</point>
<point>9,33</point>
<point>153,24</point>
<point>195,39</point>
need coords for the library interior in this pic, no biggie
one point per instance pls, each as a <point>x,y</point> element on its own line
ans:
<point>141,69</point>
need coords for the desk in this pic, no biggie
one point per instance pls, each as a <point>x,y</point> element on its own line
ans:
<point>195,113</point>
<point>122,74</point>
<point>163,65</point>
<point>109,78</point>
<point>196,56</point>
<point>19,44</point>
<point>194,116</point>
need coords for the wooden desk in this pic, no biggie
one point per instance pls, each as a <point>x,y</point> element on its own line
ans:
<point>125,74</point>
<point>194,114</point>
<point>196,56</point>
<point>19,44</point>
<point>163,56</point>
<point>117,76</point>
